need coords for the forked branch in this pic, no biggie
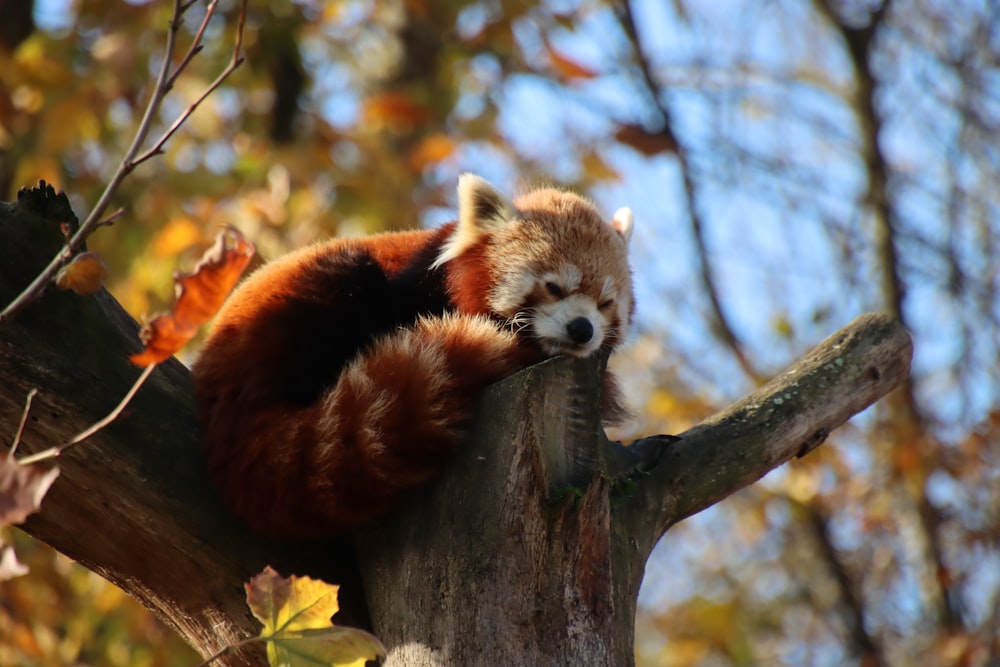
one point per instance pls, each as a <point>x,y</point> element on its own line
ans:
<point>786,418</point>
<point>164,82</point>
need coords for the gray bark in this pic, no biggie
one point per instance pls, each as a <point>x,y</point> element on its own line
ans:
<point>528,550</point>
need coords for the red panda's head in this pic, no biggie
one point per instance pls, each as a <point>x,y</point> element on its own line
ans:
<point>547,262</point>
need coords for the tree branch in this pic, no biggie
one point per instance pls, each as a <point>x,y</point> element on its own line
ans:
<point>859,41</point>
<point>870,650</point>
<point>720,322</point>
<point>786,418</point>
<point>164,82</point>
<point>134,502</point>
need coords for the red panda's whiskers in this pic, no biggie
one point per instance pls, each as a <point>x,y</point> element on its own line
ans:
<point>522,321</point>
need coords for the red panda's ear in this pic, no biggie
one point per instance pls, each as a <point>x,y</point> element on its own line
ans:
<point>481,207</point>
<point>622,223</point>
<point>481,210</point>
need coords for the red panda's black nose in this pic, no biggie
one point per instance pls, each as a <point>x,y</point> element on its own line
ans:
<point>580,330</point>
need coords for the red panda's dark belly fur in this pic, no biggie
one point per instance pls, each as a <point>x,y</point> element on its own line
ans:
<point>301,334</point>
<point>344,302</point>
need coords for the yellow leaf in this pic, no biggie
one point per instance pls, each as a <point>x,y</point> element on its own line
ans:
<point>37,62</point>
<point>326,646</point>
<point>783,326</point>
<point>802,483</point>
<point>296,615</point>
<point>596,168</point>
<point>291,605</point>
<point>69,122</point>
<point>85,274</point>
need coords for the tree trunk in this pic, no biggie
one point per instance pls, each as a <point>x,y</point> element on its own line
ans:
<point>529,549</point>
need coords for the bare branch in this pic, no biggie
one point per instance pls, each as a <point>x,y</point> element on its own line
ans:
<point>110,220</point>
<point>720,321</point>
<point>24,420</point>
<point>787,418</point>
<point>859,41</point>
<point>234,62</point>
<point>196,45</point>
<point>164,83</point>
<point>53,452</point>
<point>870,650</point>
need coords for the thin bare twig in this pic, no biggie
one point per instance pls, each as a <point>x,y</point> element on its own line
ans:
<point>235,61</point>
<point>196,45</point>
<point>53,452</point>
<point>721,323</point>
<point>859,41</point>
<point>871,651</point>
<point>164,82</point>
<point>20,427</point>
<point>110,220</point>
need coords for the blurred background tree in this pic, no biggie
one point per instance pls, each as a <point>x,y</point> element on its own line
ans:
<point>790,164</point>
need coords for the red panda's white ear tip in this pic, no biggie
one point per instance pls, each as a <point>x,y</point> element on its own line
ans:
<point>622,223</point>
<point>468,182</point>
<point>481,210</point>
<point>481,207</point>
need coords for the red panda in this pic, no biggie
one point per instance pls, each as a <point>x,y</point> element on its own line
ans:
<point>341,375</point>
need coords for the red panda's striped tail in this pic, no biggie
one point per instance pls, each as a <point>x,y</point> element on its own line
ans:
<point>390,423</point>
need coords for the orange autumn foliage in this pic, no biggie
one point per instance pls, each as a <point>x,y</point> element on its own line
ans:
<point>200,295</point>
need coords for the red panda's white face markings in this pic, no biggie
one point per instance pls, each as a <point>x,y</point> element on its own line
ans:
<point>571,313</point>
<point>559,271</point>
<point>569,321</point>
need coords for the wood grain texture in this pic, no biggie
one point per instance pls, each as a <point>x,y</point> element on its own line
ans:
<point>531,549</point>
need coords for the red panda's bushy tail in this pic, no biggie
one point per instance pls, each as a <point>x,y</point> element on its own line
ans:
<point>389,423</point>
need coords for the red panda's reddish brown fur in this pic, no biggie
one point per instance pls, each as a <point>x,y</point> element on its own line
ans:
<point>343,374</point>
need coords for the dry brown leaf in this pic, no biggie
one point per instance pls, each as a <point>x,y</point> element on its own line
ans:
<point>647,143</point>
<point>22,488</point>
<point>200,294</point>
<point>10,566</point>
<point>393,110</point>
